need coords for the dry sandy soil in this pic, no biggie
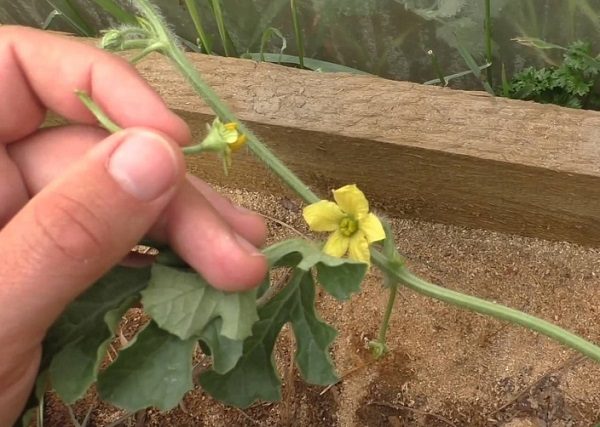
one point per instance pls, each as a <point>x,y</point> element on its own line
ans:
<point>446,367</point>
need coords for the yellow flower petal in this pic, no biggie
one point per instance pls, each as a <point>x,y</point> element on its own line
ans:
<point>323,216</point>
<point>336,245</point>
<point>352,201</point>
<point>230,133</point>
<point>372,228</point>
<point>359,248</point>
<point>239,143</point>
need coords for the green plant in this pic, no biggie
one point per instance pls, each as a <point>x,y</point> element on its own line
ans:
<point>475,69</point>
<point>70,13</point>
<point>238,330</point>
<point>298,32</point>
<point>223,33</point>
<point>488,39</point>
<point>572,84</point>
<point>203,39</point>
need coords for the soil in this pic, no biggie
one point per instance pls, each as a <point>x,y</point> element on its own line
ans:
<point>446,367</point>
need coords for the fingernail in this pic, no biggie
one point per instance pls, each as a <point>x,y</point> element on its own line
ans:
<point>144,165</point>
<point>247,246</point>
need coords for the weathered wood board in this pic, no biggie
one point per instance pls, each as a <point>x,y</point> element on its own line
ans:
<point>424,152</point>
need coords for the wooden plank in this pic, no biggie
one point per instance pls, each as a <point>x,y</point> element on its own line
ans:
<point>424,152</point>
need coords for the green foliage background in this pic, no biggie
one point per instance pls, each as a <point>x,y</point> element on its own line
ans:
<point>385,37</point>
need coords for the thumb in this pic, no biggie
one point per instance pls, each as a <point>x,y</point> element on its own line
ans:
<point>82,224</point>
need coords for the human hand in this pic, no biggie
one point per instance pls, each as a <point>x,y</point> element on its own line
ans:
<point>74,201</point>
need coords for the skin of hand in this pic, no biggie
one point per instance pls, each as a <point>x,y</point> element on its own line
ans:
<point>74,200</point>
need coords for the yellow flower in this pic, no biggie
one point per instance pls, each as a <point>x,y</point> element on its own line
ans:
<point>240,140</point>
<point>353,227</point>
<point>223,138</point>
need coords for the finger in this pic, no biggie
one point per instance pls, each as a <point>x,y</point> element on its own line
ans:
<point>245,222</point>
<point>81,225</point>
<point>13,193</point>
<point>45,155</point>
<point>41,71</point>
<point>195,230</point>
<point>206,238</point>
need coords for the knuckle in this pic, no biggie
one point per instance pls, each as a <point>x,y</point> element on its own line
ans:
<point>70,227</point>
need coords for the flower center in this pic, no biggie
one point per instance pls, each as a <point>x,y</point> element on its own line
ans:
<point>348,226</point>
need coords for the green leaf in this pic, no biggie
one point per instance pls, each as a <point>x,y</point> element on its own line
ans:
<point>70,13</point>
<point>313,337</point>
<point>312,64</point>
<point>76,343</point>
<point>254,377</point>
<point>225,352</point>
<point>475,69</point>
<point>537,43</point>
<point>82,316</point>
<point>340,277</point>
<point>74,369</point>
<point>155,369</point>
<point>183,303</point>
<point>268,35</point>
<point>120,14</point>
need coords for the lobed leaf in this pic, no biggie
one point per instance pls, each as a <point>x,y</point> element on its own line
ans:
<point>155,369</point>
<point>183,303</point>
<point>225,352</point>
<point>75,368</point>
<point>313,337</point>
<point>255,377</point>
<point>76,343</point>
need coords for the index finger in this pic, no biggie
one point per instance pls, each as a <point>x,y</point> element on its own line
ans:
<point>40,71</point>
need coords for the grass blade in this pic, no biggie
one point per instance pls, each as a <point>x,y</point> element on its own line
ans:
<point>456,76</point>
<point>72,16</point>
<point>216,6</point>
<point>298,32</point>
<point>505,83</point>
<point>488,39</point>
<point>117,12</point>
<point>309,63</point>
<point>470,61</point>
<point>48,21</point>
<point>537,43</point>
<point>266,17</point>
<point>267,35</point>
<point>195,15</point>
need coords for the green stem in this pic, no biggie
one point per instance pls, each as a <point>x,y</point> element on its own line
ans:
<point>436,68</point>
<point>488,308</point>
<point>147,51</point>
<point>108,124</point>
<point>298,32</point>
<point>388,266</point>
<point>257,147</point>
<point>136,44</point>
<point>195,15</point>
<point>388,313</point>
<point>194,149</point>
<point>488,39</point>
